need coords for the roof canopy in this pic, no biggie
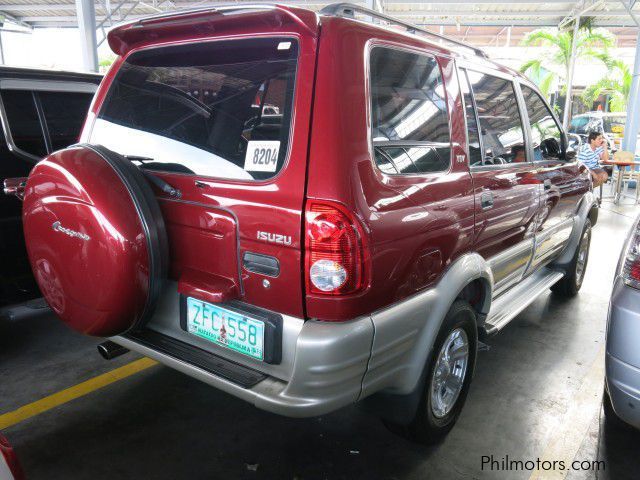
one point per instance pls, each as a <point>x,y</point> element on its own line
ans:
<point>481,22</point>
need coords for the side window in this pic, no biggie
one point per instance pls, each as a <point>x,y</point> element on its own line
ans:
<point>545,133</point>
<point>473,138</point>
<point>499,117</point>
<point>64,113</point>
<point>409,114</point>
<point>24,123</point>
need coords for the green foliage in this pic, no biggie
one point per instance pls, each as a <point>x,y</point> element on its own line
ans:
<point>616,83</point>
<point>553,63</point>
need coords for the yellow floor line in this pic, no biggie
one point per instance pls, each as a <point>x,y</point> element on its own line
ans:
<point>567,439</point>
<point>47,403</point>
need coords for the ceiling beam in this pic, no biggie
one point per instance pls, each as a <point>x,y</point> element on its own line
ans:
<point>481,14</point>
<point>69,19</point>
<point>53,7</point>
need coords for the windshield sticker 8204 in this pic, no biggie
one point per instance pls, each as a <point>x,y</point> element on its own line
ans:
<point>262,156</point>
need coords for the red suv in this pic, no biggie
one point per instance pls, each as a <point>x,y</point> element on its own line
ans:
<point>308,210</point>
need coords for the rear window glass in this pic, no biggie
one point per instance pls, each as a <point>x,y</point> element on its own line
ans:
<point>219,109</point>
<point>409,114</point>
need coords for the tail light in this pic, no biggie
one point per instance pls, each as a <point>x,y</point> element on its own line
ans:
<point>335,253</point>
<point>630,263</point>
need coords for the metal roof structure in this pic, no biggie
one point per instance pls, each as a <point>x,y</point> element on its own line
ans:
<point>456,13</point>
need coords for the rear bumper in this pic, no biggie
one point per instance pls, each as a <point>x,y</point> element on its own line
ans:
<point>327,372</point>
<point>623,354</point>
<point>623,385</point>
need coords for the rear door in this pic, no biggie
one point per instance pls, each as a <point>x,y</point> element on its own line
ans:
<point>38,117</point>
<point>563,182</point>
<point>225,122</point>
<point>506,192</point>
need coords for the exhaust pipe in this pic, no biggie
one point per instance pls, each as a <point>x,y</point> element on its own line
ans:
<point>110,350</point>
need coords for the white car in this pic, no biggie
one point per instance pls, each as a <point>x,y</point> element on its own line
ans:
<point>612,124</point>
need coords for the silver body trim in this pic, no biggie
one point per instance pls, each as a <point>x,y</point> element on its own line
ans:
<point>328,365</point>
<point>509,267</point>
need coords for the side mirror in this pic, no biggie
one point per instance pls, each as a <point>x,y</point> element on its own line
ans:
<point>550,148</point>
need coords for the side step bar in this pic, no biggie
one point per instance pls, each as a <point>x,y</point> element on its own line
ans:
<point>508,305</point>
<point>233,372</point>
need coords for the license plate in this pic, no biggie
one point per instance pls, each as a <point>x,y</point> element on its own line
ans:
<point>226,328</point>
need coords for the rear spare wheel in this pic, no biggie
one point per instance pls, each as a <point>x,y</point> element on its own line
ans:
<point>96,239</point>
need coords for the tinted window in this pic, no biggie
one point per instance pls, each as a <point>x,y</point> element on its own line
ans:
<point>500,122</point>
<point>409,114</point>
<point>545,133</point>
<point>475,151</point>
<point>64,113</point>
<point>24,123</point>
<point>219,109</point>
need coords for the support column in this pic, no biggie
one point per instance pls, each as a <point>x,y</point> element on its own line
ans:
<point>86,14</point>
<point>632,125</point>
<point>566,117</point>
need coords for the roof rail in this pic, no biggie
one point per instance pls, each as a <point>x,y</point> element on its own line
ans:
<point>349,10</point>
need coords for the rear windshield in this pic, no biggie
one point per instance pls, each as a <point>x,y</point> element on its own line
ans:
<point>218,109</point>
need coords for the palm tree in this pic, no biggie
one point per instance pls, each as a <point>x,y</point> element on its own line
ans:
<point>553,64</point>
<point>617,83</point>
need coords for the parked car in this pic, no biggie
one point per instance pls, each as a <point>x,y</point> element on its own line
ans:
<point>611,124</point>
<point>10,468</point>
<point>412,196</point>
<point>622,386</point>
<point>41,111</point>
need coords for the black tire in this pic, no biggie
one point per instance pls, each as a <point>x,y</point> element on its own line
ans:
<point>571,283</point>
<point>426,427</point>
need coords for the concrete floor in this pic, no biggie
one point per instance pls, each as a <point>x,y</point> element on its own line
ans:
<point>536,394</point>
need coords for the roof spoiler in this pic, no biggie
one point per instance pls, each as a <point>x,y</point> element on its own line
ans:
<point>207,22</point>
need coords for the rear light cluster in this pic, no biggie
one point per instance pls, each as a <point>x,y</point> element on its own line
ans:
<point>631,263</point>
<point>335,254</point>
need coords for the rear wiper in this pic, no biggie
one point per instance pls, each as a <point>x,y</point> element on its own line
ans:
<point>157,181</point>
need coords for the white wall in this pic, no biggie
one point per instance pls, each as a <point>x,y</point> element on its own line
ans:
<point>57,48</point>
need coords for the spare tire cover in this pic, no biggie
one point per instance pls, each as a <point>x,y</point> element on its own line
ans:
<point>96,239</point>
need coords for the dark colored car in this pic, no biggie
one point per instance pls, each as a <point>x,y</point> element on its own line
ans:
<point>41,111</point>
<point>402,197</point>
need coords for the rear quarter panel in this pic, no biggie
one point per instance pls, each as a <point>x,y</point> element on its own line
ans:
<point>415,225</point>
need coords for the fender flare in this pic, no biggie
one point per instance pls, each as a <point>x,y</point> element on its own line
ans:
<point>404,335</point>
<point>586,205</point>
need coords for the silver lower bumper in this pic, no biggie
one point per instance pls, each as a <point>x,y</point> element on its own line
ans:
<point>328,367</point>
<point>623,385</point>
